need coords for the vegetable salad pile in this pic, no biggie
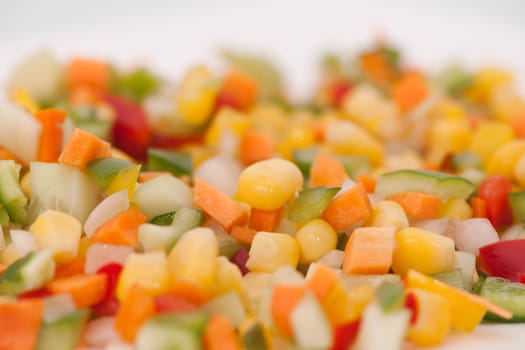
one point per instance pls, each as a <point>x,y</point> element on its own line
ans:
<point>214,213</point>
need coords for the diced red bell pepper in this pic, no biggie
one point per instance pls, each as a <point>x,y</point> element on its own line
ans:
<point>411,305</point>
<point>345,335</point>
<point>521,277</point>
<point>109,305</point>
<point>35,293</point>
<point>338,91</point>
<point>494,190</point>
<point>170,302</point>
<point>503,259</point>
<point>131,132</point>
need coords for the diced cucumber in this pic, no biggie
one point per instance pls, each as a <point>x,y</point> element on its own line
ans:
<point>453,278</point>
<point>4,217</point>
<point>64,188</point>
<point>176,162</point>
<point>27,273</point>
<point>509,295</point>
<point>352,281</point>
<point>161,195</point>
<point>104,170</point>
<point>252,336</point>
<point>466,262</point>
<point>64,333</point>
<point>466,160</point>
<point>153,236</point>
<point>355,164</point>
<point>11,196</point>
<point>228,305</point>
<point>517,205</point>
<point>441,184</point>
<point>172,332</point>
<point>227,244</point>
<point>390,295</point>
<point>303,158</point>
<point>311,202</point>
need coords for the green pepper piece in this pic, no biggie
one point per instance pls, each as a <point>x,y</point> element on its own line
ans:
<point>163,219</point>
<point>11,196</point>
<point>176,162</point>
<point>390,295</point>
<point>104,170</point>
<point>311,202</point>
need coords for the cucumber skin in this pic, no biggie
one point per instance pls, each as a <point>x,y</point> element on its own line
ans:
<point>517,205</point>
<point>495,289</point>
<point>64,333</point>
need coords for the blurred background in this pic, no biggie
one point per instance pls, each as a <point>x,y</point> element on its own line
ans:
<point>171,35</point>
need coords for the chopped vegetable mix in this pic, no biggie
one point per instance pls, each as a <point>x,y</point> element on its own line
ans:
<point>216,214</point>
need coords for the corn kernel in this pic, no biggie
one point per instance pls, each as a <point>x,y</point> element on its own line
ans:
<point>503,161</point>
<point>359,297</point>
<point>489,136</point>
<point>196,96</point>
<point>315,239</point>
<point>192,264</point>
<point>149,270</point>
<point>519,171</point>
<point>226,120</point>
<point>298,137</point>
<point>448,135</point>
<point>59,232</point>
<point>271,250</point>
<point>456,208</point>
<point>269,184</point>
<point>388,213</point>
<point>485,81</point>
<point>505,103</point>
<point>229,278</point>
<point>423,251</point>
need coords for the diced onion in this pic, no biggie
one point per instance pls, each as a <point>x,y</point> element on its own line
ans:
<point>105,210</point>
<point>334,258</point>
<point>443,226</point>
<point>56,306</point>
<point>222,172</point>
<point>99,255</point>
<point>472,234</point>
<point>101,332</point>
<point>24,241</point>
<point>516,231</point>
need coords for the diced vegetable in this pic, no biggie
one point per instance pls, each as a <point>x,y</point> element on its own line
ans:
<point>503,259</point>
<point>506,294</point>
<point>11,196</point>
<point>28,273</point>
<point>311,202</point>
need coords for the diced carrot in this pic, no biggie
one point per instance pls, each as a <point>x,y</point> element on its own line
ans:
<point>191,291</point>
<point>122,229</point>
<point>368,182</point>
<point>239,88</point>
<point>319,130</point>
<point>218,205</point>
<point>50,144</point>
<point>518,124</point>
<point>2,268</point>
<point>284,300</point>
<point>83,147</point>
<point>136,308</point>
<point>256,146</point>
<point>86,290</point>
<point>75,267</point>
<point>322,281</point>
<point>84,95</point>
<point>150,175</point>
<point>265,220</point>
<point>369,250</point>
<point>409,91</point>
<point>86,72</point>
<point>349,208</point>
<point>20,323</point>
<point>418,205</point>
<point>376,66</point>
<point>220,335</point>
<point>326,171</point>
<point>479,207</point>
<point>243,234</point>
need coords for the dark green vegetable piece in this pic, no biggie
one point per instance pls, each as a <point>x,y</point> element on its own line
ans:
<point>176,162</point>
<point>453,278</point>
<point>303,158</point>
<point>390,295</point>
<point>509,295</point>
<point>163,219</point>
<point>136,85</point>
<point>466,160</point>
<point>311,202</point>
<point>64,333</point>
<point>105,169</point>
<point>11,196</point>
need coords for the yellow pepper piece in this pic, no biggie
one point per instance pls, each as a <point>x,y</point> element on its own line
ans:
<point>126,179</point>
<point>456,208</point>
<point>503,161</point>
<point>489,136</point>
<point>25,100</point>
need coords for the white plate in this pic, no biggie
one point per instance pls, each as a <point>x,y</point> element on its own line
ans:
<point>170,36</point>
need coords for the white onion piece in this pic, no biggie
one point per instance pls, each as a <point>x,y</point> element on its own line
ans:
<point>473,234</point>
<point>222,172</point>
<point>443,226</point>
<point>347,185</point>
<point>228,144</point>
<point>57,305</point>
<point>334,259</point>
<point>516,231</point>
<point>101,332</point>
<point>105,210</point>
<point>99,255</point>
<point>24,241</point>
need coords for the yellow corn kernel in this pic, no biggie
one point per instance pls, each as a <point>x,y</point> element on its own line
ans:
<point>269,251</point>
<point>59,232</point>
<point>489,136</point>
<point>485,81</point>
<point>519,171</point>
<point>270,118</point>
<point>192,263</point>
<point>423,251</point>
<point>505,103</point>
<point>433,318</point>
<point>126,179</point>
<point>346,137</point>
<point>227,120</point>
<point>455,208</point>
<point>503,161</point>
<point>466,310</point>
<point>229,278</point>
<point>22,98</point>
<point>452,110</point>
<point>360,296</point>
<point>10,254</point>
<point>337,305</point>
<point>148,270</point>
<point>297,137</point>
<point>269,184</point>
<point>388,213</point>
<point>448,135</point>
<point>315,239</point>
<point>196,96</point>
